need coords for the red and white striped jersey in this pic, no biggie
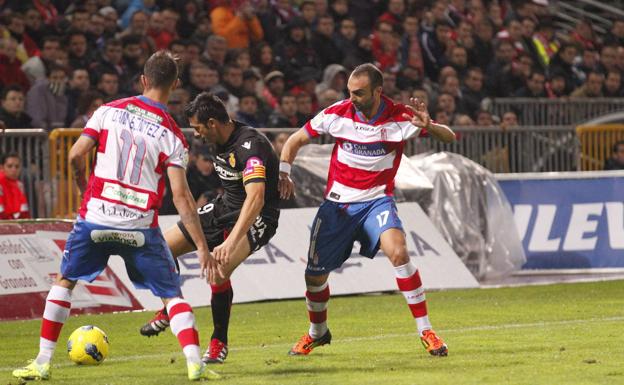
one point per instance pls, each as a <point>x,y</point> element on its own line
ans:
<point>367,154</point>
<point>136,140</point>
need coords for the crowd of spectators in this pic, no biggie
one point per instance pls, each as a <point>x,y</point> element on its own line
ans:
<point>275,63</point>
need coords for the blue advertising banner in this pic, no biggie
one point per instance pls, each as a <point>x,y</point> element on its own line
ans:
<point>573,220</point>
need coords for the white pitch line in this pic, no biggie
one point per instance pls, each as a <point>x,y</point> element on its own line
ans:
<point>178,356</point>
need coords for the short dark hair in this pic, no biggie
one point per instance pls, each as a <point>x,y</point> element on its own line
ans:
<point>374,74</point>
<point>207,106</point>
<point>12,154</point>
<point>161,70</point>
<point>12,87</point>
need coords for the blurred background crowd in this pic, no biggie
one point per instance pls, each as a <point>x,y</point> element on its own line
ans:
<point>275,63</point>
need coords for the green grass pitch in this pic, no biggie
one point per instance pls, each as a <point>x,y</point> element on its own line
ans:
<point>558,334</point>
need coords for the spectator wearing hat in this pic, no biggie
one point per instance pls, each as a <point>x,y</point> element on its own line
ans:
<point>334,77</point>
<point>324,43</point>
<point>274,87</point>
<point>12,111</point>
<point>111,28</point>
<point>239,24</point>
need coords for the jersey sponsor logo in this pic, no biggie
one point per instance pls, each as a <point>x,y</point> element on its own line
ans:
<point>246,145</point>
<point>359,127</point>
<point>125,195</point>
<point>144,113</point>
<point>226,174</point>
<point>232,160</point>
<point>120,212</point>
<point>137,124</point>
<point>128,238</point>
<point>364,149</point>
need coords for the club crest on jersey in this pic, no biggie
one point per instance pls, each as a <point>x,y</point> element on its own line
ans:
<point>384,134</point>
<point>232,160</point>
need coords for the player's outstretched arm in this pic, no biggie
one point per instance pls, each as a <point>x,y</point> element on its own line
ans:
<point>297,140</point>
<point>185,204</point>
<point>421,118</point>
<point>76,157</point>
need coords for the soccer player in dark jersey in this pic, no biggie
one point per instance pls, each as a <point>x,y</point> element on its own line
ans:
<point>249,171</point>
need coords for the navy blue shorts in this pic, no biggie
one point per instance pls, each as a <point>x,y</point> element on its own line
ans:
<point>338,225</point>
<point>148,260</point>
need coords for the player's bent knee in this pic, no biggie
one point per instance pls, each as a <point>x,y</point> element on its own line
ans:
<point>316,280</point>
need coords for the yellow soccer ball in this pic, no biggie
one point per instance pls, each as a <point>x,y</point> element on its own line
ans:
<point>88,345</point>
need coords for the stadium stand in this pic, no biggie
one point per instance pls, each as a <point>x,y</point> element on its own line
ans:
<point>513,77</point>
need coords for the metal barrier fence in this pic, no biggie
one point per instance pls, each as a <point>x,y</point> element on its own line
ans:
<point>32,146</point>
<point>65,195</point>
<point>517,149</point>
<point>556,112</point>
<point>596,143</point>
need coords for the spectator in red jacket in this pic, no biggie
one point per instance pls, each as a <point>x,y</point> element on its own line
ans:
<point>10,66</point>
<point>13,202</point>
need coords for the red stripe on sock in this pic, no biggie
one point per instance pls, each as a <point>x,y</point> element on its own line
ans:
<point>50,330</point>
<point>225,286</point>
<point>188,337</point>
<point>321,296</point>
<point>179,308</point>
<point>409,283</point>
<point>65,304</point>
<point>316,317</point>
<point>418,309</point>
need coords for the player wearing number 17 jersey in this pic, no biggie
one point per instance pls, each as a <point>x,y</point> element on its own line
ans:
<point>370,131</point>
<point>136,142</point>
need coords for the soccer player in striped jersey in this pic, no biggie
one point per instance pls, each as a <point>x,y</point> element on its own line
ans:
<point>136,142</point>
<point>370,131</point>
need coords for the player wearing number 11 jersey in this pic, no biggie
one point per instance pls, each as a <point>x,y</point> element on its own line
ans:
<point>136,142</point>
<point>370,131</point>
